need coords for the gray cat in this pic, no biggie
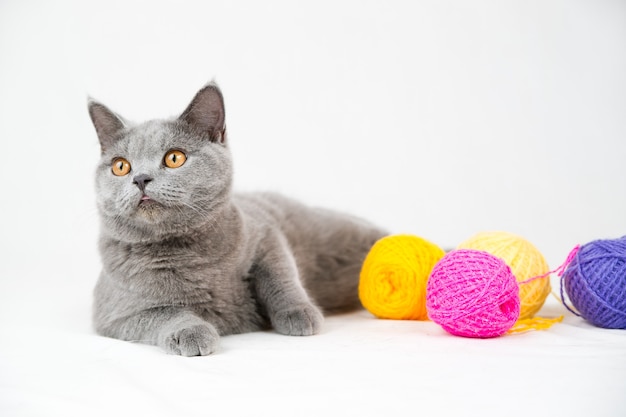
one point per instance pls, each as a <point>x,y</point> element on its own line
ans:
<point>185,260</point>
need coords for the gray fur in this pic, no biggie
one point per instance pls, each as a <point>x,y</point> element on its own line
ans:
<point>198,261</point>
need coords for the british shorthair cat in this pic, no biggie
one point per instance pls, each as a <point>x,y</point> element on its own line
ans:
<point>185,260</point>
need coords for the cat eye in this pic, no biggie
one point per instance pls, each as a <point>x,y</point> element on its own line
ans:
<point>120,167</point>
<point>175,159</point>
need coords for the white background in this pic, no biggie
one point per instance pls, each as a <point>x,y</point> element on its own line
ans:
<point>441,119</point>
<point>437,118</point>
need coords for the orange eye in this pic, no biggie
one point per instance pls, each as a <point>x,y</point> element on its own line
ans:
<point>175,159</point>
<point>120,167</point>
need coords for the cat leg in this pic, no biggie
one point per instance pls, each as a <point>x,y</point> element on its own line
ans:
<point>279,289</point>
<point>177,331</point>
<point>188,335</point>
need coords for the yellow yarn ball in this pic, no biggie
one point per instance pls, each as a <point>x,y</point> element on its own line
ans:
<point>394,275</point>
<point>525,262</point>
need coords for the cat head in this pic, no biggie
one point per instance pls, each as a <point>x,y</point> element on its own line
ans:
<point>162,177</point>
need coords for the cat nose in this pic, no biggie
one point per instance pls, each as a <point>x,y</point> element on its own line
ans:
<point>141,180</point>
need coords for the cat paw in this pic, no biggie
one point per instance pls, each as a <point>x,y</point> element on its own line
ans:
<point>197,340</point>
<point>300,321</point>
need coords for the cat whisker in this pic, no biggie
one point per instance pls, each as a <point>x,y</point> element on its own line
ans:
<point>207,215</point>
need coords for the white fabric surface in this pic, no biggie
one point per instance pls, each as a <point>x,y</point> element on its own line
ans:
<point>54,365</point>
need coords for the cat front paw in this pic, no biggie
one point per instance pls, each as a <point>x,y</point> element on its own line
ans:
<point>304,320</point>
<point>196,340</point>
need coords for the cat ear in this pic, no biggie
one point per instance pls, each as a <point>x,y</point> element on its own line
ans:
<point>108,124</point>
<point>205,113</point>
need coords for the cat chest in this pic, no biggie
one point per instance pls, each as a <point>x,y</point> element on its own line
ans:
<point>177,276</point>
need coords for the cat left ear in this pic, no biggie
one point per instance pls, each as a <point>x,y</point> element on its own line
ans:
<point>108,125</point>
<point>206,113</point>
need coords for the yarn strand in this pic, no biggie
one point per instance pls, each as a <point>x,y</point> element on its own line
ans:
<point>562,299</point>
<point>558,271</point>
<point>560,274</point>
<point>534,323</point>
<point>542,323</point>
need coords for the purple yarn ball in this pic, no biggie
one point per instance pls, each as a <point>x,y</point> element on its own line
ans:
<point>595,282</point>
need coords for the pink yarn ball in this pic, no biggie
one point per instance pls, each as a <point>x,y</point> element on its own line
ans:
<point>472,293</point>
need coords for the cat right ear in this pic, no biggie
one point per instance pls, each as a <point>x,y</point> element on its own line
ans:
<point>108,124</point>
<point>205,113</point>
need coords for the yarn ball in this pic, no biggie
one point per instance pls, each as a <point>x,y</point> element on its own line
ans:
<point>473,293</point>
<point>525,262</point>
<point>595,282</point>
<point>393,277</point>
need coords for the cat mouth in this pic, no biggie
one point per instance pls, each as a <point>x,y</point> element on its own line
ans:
<point>147,201</point>
<point>149,209</point>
